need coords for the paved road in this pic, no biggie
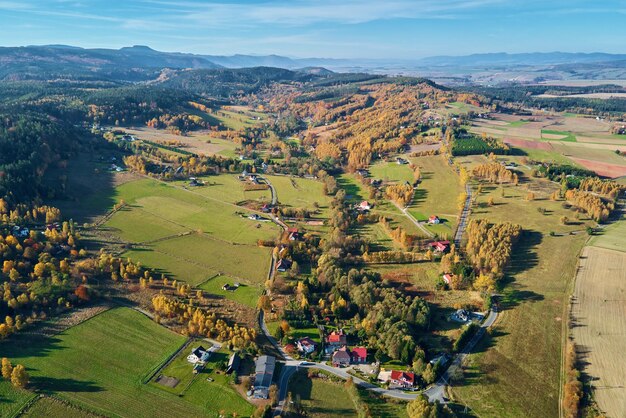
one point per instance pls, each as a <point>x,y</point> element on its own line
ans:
<point>464,215</point>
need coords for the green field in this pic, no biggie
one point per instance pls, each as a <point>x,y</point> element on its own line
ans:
<point>516,371</point>
<point>227,188</point>
<point>101,363</point>
<point>50,407</point>
<point>299,192</point>
<point>321,398</point>
<point>189,210</point>
<point>194,258</point>
<point>568,136</point>
<point>247,293</point>
<point>12,400</point>
<point>612,236</point>
<point>391,172</point>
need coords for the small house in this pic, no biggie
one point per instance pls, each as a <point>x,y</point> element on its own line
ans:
<point>196,355</point>
<point>306,345</point>
<point>362,172</point>
<point>341,357</point>
<point>364,206</point>
<point>294,234</point>
<point>335,340</point>
<point>283,265</point>
<point>359,355</point>
<point>440,246</point>
<point>266,208</point>
<point>402,379</point>
<point>434,220</point>
<point>447,278</point>
<point>254,217</point>
<point>401,161</point>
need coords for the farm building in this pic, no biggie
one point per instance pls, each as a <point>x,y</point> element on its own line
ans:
<point>233,363</point>
<point>264,372</point>
<point>283,265</point>
<point>447,278</point>
<point>294,234</point>
<point>364,206</point>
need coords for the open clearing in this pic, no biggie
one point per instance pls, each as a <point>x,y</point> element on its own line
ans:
<point>100,364</point>
<point>200,142</point>
<point>599,325</point>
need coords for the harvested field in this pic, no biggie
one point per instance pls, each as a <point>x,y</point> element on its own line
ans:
<point>602,168</point>
<point>524,143</point>
<point>200,142</point>
<point>599,325</point>
<point>424,147</point>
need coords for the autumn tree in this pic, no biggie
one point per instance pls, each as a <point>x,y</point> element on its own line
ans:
<point>19,376</point>
<point>7,368</point>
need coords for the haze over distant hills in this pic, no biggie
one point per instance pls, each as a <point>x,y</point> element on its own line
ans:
<point>139,63</point>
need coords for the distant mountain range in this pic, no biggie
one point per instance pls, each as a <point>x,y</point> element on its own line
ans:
<point>141,63</point>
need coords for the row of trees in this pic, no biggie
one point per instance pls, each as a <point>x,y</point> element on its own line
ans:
<point>18,376</point>
<point>590,203</point>
<point>608,188</point>
<point>494,173</point>
<point>400,193</point>
<point>489,246</point>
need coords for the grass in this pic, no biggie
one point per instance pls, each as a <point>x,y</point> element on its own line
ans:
<point>312,332</point>
<point>214,397</point>
<point>391,172</point>
<point>228,188</point>
<point>194,258</point>
<point>516,371</point>
<point>190,210</point>
<point>612,237</point>
<point>321,398</point>
<point>517,123</point>
<point>383,407</point>
<point>246,294</point>
<point>300,192</point>
<point>50,407</point>
<point>100,364</point>
<point>12,400</point>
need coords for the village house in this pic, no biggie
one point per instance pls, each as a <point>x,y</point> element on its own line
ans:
<point>447,278</point>
<point>400,160</point>
<point>359,355</point>
<point>364,206</point>
<point>306,345</point>
<point>254,217</point>
<point>198,354</point>
<point>341,357</point>
<point>402,379</point>
<point>283,265</point>
<point>434,220</point>
<point>335,340</point>
<point>264,371</point>
<point>362,172</point>
<point>440,246</point>
<point>294,234</point>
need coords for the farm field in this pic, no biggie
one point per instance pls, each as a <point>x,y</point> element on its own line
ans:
<point>516,371</point>
<point>391,172</point>
<point>600,328</point>
<point>227,188</point>
<point>211,256</point>
<point>12,400</point>
<point>202,142</point>
<point>321,398</point>
<point>299,192</point>
<point>582,140</point>
<point>214,397</point>
<point>247,293</point>
<point>100,364</point>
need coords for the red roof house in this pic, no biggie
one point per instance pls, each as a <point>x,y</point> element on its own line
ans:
<point>434,219</point>
<point>359,355</point>
<point>404,379</point>
<point>364,206</point>
<point>447,278</point>
<point>441,246</point>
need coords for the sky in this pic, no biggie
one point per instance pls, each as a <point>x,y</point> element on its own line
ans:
<point>384,29</point>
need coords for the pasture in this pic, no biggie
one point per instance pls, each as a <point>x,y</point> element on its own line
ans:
<point>50,407</point>
<point>247,293</point>
<point>516,370</point>
<point>299,192</point>
<point>99,365</point>
<point>12,400</point>
<point>321,398</point>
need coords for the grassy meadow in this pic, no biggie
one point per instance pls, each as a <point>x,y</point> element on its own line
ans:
<point>321,398</point>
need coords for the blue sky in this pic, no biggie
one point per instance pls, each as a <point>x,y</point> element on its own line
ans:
<point>321,28</point>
